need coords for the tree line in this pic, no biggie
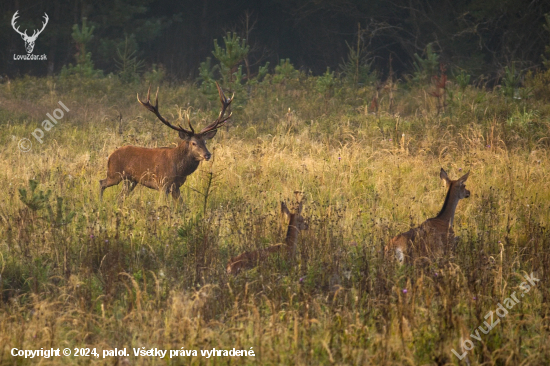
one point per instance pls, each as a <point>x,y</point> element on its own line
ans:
<point>175,37</point>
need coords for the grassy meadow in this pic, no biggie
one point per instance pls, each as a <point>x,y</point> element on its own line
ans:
<point>144,271</point>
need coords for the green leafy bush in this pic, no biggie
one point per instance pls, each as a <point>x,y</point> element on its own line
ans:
<point>84,65</point>
<point>425,68</point>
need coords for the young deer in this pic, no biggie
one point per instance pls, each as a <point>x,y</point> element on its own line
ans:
<point>436,234</point>
<point>248,260</point>
<point>163,168</point>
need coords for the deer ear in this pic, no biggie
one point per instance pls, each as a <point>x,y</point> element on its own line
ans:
<point>300,206</point>
<point>184,135</point>
<point>443,175</point>
<point>209,134</point>
<point>284,210</point>
<point>464,177</point>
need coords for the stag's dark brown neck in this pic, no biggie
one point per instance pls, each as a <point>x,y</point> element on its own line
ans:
<point>447,212</point>
<point>185,162</point>
<point>292,232</point>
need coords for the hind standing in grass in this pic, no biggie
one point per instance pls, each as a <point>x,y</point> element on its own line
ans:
<point>436,234</point>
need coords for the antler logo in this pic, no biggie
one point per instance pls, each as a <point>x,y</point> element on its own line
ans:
<point>29,40</point>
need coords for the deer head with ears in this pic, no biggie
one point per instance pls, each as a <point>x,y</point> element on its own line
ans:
<point>296,223</point>
<point>456,187</point>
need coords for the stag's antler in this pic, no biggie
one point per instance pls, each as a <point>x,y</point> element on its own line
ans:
<point>213,126</point>
<point>155,110</point>
<point>220,120</point>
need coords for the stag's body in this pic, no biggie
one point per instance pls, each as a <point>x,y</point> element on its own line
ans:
<point>152,167</point>
<point>434,235</point>
<point>163,168</point>
<point>250,260</point>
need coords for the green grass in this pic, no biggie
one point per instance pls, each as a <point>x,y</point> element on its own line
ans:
<point>145,272</point>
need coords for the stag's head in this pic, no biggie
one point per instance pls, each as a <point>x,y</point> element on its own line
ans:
<point>29,40</point>
<point>196,142</point>
<point>457,188</point>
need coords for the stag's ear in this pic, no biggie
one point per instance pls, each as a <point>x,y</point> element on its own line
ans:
<point>443,175</point>
<point>209,134</point>
<point>184,135</point>
<point>464,177</point>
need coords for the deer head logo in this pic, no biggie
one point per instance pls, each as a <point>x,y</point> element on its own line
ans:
<point>29,40</point>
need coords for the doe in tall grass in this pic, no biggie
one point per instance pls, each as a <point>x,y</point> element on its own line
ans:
<point>434,235</point>
<point>248,260</point>
<point>163,168</point>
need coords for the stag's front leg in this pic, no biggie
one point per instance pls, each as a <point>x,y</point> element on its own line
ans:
<point>174,189</point>
<point>176,194</point>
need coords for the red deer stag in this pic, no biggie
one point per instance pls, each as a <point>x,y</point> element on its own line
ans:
<point>249,260</point>
<point>163,168</point>
<point>436,234</point>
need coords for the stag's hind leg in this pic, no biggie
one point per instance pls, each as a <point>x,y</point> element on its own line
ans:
<point>128,187</point>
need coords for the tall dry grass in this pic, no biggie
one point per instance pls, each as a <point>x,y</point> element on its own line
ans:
<point>143,271</point>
